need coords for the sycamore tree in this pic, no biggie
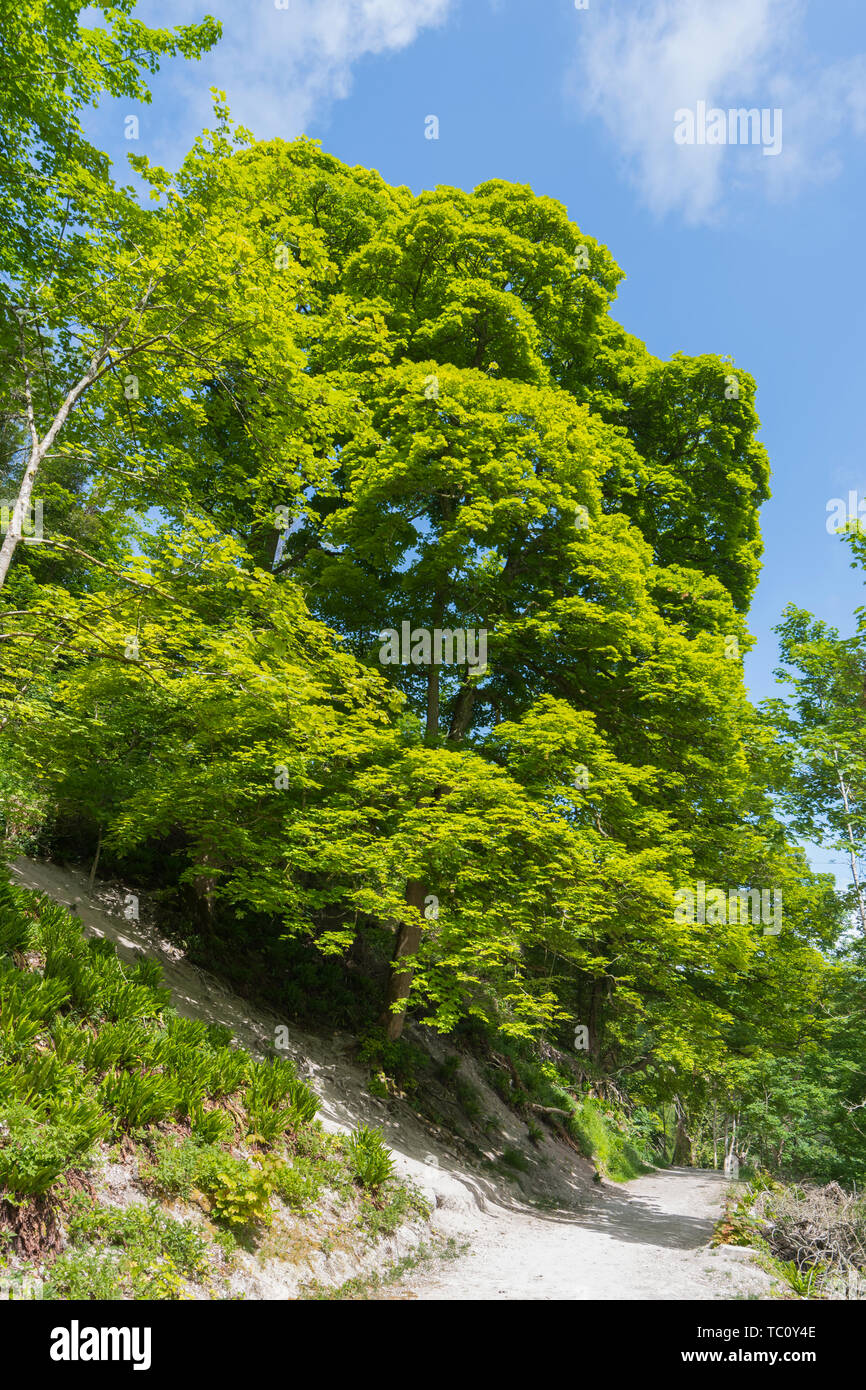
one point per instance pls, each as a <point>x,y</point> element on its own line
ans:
<point>471,446</point>
<point>821,769</point>
<point>320,408</point>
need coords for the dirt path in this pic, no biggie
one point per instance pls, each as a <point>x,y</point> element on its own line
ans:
<point>647,1239</point>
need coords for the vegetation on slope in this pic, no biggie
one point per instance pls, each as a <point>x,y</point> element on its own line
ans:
<point>96,1068</point>
<point>279,414</point>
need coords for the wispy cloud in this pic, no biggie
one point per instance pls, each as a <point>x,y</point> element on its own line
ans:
<point>635,67</point>
<point>282,67</point>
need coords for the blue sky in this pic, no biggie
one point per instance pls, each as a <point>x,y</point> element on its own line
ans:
<point>725,250</point>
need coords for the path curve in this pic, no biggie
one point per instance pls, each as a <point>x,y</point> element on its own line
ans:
<point>646,1239</point>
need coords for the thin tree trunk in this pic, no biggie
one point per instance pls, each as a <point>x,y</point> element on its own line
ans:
<point>100,363</point>
<point>432,702</point>
<point>95,863</point>
<point>40,447</point>
<point>852,849</point>
<point>682,1156</point>
<point>407,943</point>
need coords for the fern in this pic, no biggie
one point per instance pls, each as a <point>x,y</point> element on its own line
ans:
<point>369,1160</point>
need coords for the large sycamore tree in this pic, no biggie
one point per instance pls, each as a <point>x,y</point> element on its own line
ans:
<point>351,408</point>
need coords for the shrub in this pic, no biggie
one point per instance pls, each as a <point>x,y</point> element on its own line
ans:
<point>275,1100</point>
<point>369,1160</point>
<point>240,1194</point>
<point>34,1151</point>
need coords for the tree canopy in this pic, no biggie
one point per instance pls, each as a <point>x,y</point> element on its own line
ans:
<point>283,409</point>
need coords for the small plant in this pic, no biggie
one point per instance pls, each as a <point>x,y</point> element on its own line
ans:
<point>275,1101</point>
<point>384,1218</point>
<point>802,1282</point>
<point>240,1195</point>
<point>513,1158</point>
<point>369,1161</point>
<point>35,1149</point>
<point>138,1098</point>
<point>211,1126</point>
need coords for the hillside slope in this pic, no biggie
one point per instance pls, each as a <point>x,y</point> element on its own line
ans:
<point>549,1232</point>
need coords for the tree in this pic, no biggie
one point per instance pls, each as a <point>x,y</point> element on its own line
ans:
<point>77,275</point>
<point>822,776</point>
<point>51,69</point>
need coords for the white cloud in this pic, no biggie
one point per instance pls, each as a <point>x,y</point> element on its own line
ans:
<point>636,67</point>
<point>281,67</point>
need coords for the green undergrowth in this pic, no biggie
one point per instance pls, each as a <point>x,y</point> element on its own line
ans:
<point>607,1135</point>
<point>623,1140</point>
<point>617,1137</point>
<point>96,1067</point>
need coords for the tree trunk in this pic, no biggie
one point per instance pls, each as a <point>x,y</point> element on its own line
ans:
<point>682,1156</point>
<point>95,863</point>
<point>205,884</point>
<point>461,717</point>
<point>852,850</point>
<point>408,941</point>
<point>40,447</point>
<point>432,702</point>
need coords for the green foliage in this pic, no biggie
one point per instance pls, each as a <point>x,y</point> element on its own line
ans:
<point>606,1136</point>
<point>241,1194</point>
<point>174,1168</point>
<point>513,1158</point>
<point>210,1126</point>
<point>591,508</point>
<point>135,1251</point>
<point>369,1160</point>
<point>298,1183</point>
<point>38,1145</point>
<point>276,1101</point>
<point>138,1098</point>
<point>16,930</point>
<point>402,1061</point>
<point>382,1214</point>
<point>121,1061</point>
